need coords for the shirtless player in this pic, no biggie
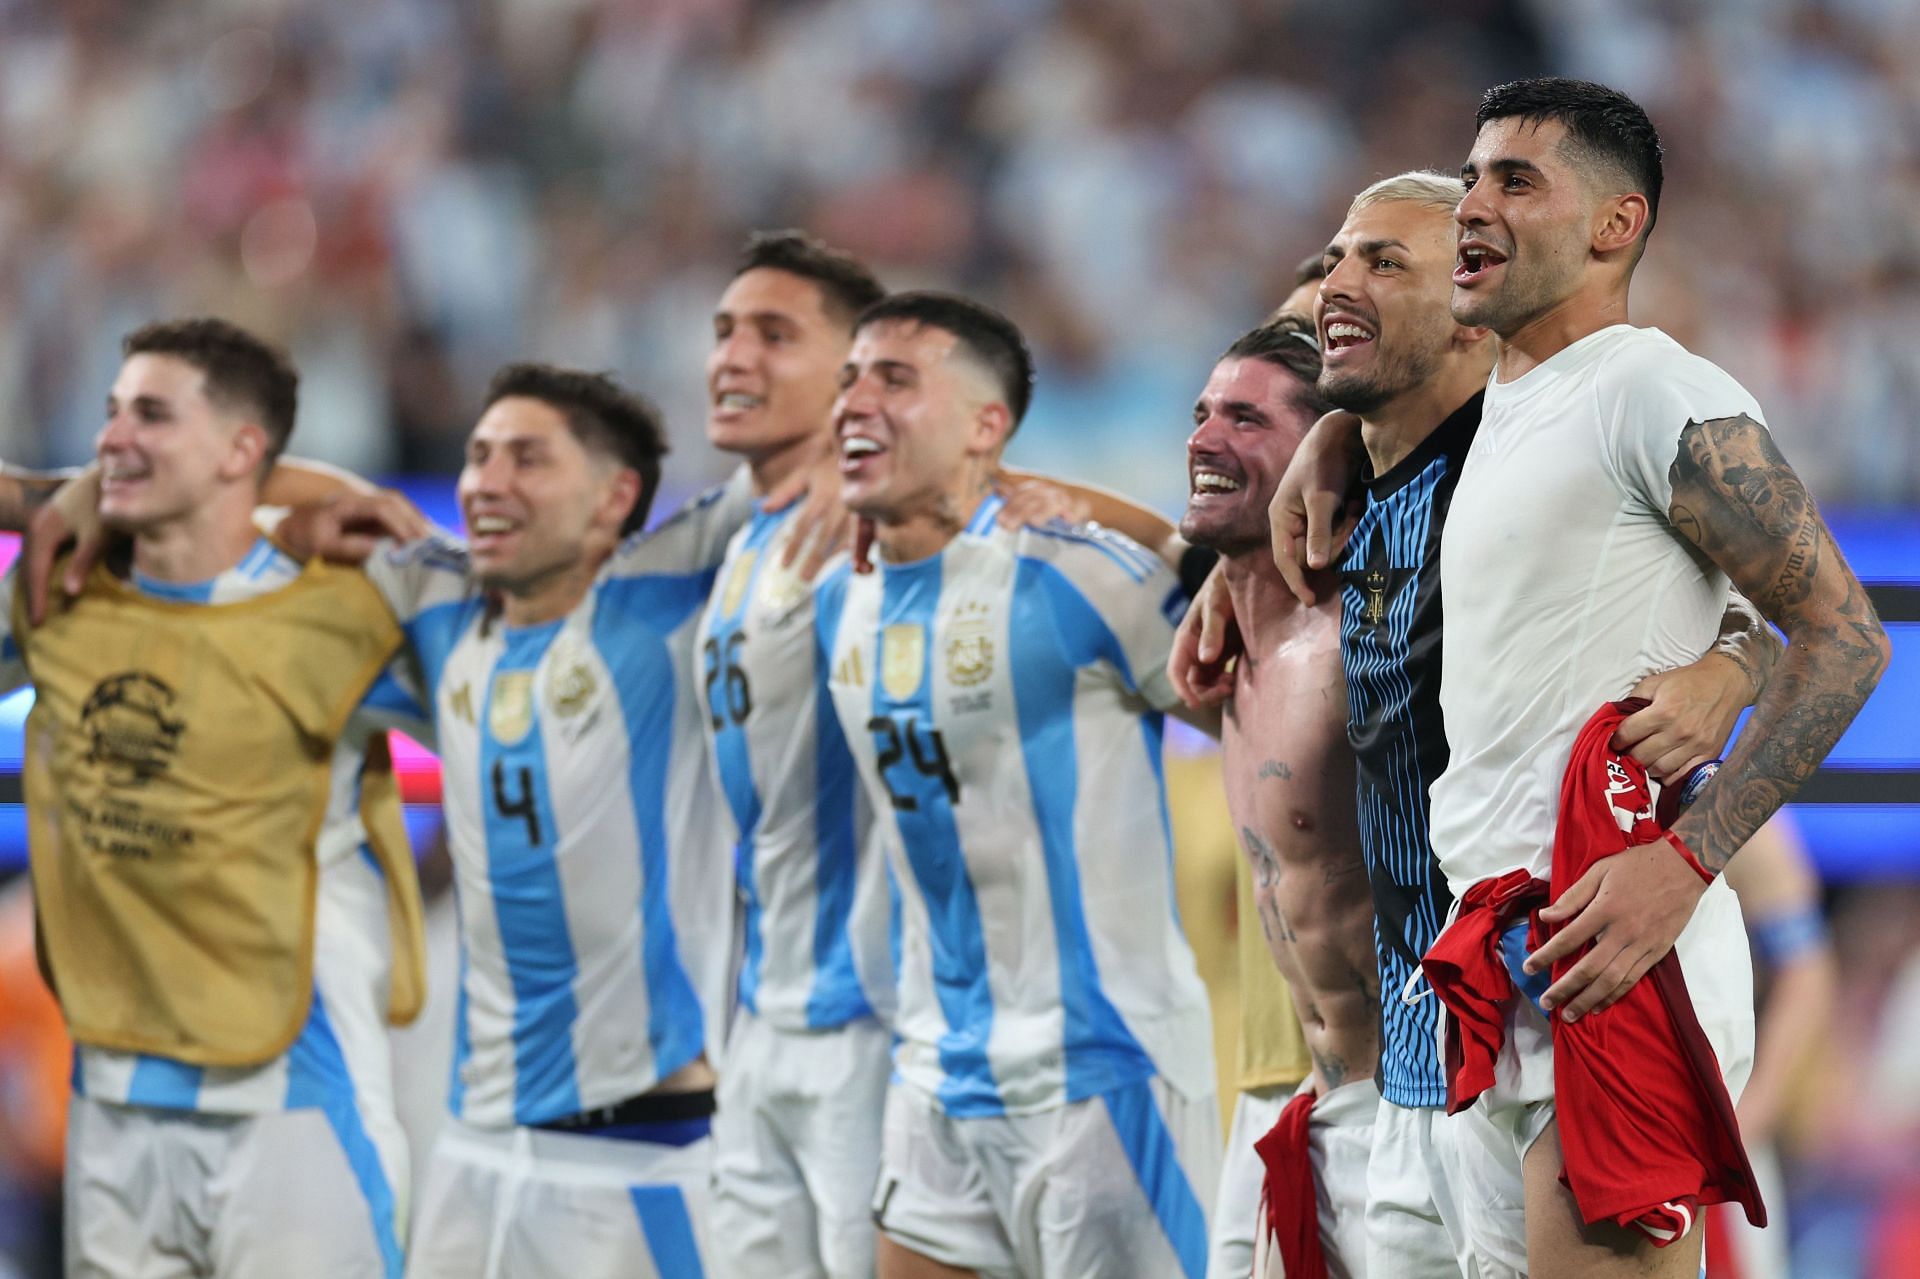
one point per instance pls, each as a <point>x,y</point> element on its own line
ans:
<point>1289,774</point>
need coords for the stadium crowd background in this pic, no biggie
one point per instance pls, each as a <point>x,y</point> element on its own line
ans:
<point>407,193</point>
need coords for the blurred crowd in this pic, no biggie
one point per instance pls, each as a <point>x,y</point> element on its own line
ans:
<point>408,192</point>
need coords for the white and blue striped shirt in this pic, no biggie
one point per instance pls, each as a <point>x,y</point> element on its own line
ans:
<point>808,863</point>
<point>587,836</point>
<point>1002,700</point>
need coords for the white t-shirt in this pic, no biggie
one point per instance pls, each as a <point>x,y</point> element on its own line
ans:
<point>1565,582</point>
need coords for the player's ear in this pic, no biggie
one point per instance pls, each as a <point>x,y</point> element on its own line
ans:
<point>1619,222</point>
<point>992,426</point>
<point>246,452</point>
<point>618,498</point>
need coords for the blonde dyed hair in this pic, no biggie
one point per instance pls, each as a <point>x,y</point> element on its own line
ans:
<point>1428,187</point>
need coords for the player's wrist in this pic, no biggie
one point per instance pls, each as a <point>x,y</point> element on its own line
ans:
<point>1688,856</point>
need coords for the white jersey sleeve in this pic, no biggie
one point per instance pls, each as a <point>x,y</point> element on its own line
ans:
<point>413,577</point>
<point>1137,597</point>
<point>692,539</point>
<point>1648,392</point>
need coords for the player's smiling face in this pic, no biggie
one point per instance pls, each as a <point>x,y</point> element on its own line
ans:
<point>1246,425</point>
<point>165,447</point>
<point>907,420</point>
<point>774,367</point>
<point>1525,226</point>
<point>537,502</point>
<point>1382,312</point>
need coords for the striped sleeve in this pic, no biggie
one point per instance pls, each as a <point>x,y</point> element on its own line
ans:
<point>1137,599</point>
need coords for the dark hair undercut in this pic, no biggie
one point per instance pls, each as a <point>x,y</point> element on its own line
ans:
<point>1605,128</point>
<point>603,415</point>
<point>242,372</point>
<point>1288,342</point>
<point>984,333</point>
<point>846,286</point>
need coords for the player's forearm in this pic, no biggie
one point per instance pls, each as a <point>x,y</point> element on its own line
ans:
<point>22,493</point>
<point>1149,528</point>
<point>296,481</point>
<point>1797,1014</point>
<point>1819,684</point>
<point>1748,642</point>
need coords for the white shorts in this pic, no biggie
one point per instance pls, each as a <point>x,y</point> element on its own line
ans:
<point>522,1203</point>
<point>297,1194</point>
<point>1494,1135</point>
<point>1416,1217</point>
<point>796,1145</point>
<point>1113,1187</point>
<point>1339,1136</point>
<point>1236,1208</point>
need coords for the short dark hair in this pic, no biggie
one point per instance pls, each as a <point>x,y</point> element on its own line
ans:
<point>1287,341</point>
<point>985,333</point>
<point>1312,267</point>
<point>241,371</point>
<point>846,286</point>
<point>603,415</point>
<point>1604,127</point>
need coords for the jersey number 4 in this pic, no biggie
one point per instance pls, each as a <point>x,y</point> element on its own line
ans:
<point>723,669</point>
<point>522,805</point>
<point>928,752</point>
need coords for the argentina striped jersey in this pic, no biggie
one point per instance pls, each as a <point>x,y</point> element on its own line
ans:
<point>807,862</point>
<point>1390,637</point>
<point>587,840</point>
<point>1003,701</point>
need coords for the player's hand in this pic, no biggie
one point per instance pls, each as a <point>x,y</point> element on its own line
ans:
<point>72,514</point>
<point>1031,500</point>
<point>1200,665</point>
<point>1310,514</point>
<point>822,526</point>
<point>1691,712</point>
<point>1631,906</point>
<point>345,528</point>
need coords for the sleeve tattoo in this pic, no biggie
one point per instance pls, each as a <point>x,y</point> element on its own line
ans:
<point>1737,500</point>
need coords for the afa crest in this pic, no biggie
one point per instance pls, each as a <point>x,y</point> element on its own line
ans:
<point>970,646</point>
<point>903,659</point>
<point>1375,585</point>
<point>510,707</point>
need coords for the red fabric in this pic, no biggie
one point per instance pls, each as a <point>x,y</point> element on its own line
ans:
<point>1287,1199</point>
<point>1646,1128</point>
<point>1466,971</point>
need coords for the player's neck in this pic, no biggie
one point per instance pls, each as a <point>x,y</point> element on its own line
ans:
<point>551,596</point>
<point>1263,606</point>
<point>781,462</point>
<point>925,531</point>
<point>198,546</point>
<point>1553,330</point>
<point>1398,427</point>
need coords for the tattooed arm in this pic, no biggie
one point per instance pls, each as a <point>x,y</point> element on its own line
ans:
<point>1736,500</point>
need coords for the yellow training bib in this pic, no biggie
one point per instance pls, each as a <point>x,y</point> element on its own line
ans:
<point>176,778</point>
